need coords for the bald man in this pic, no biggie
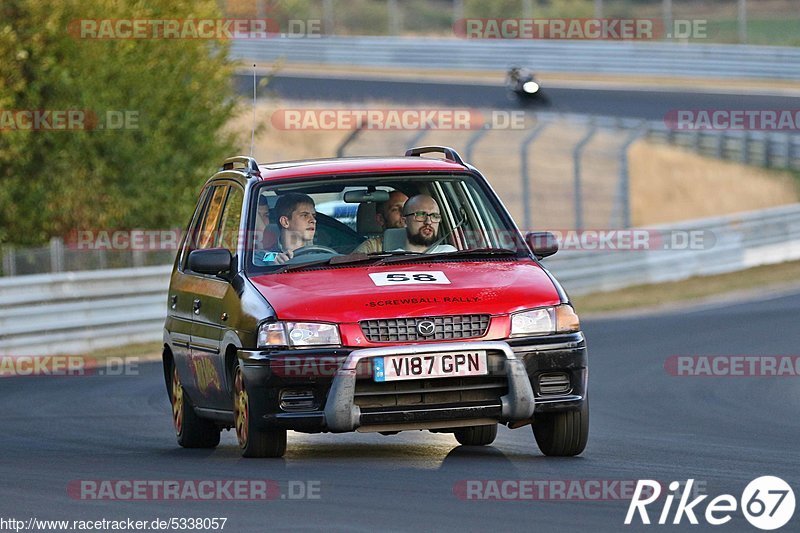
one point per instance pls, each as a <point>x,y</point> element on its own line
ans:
<point>422,218</point>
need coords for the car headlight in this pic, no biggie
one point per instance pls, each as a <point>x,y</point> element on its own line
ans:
<point>545,321</point>
<point>298,334</point>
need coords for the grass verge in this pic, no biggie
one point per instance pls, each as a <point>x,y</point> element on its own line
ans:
<point>147,351</point>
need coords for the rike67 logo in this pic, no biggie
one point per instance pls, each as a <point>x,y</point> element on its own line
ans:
<point>767,503</point>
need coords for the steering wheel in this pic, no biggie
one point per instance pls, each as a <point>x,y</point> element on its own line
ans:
<point>313,249</point>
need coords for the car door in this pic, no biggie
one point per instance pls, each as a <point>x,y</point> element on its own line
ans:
<point>214,303</point>
<point>187,291</point>
<point>180,296</point>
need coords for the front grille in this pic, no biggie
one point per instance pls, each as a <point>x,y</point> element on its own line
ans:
<point>445,328</point>
<point>420,392</point>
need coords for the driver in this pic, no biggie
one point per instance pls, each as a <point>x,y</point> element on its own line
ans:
<point>297,219</point>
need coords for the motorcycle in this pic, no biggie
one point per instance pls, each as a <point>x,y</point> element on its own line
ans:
<point>522,85</point>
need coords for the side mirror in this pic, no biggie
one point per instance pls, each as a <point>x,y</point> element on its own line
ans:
<point>543,243</point>
<point>213,261</point>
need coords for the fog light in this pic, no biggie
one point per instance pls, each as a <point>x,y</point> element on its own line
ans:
<point>298,400</point>
<point>554,383</point>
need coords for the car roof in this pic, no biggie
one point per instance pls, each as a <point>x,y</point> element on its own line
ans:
<point>356,165</point>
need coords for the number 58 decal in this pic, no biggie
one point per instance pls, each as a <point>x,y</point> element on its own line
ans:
<point>409,278</point>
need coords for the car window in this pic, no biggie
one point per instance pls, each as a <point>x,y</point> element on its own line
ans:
<point>471,218</point>
<point>192,230</point>
<point>195,234</point>
<point>207,236</point>
<point>475,222</point>
<point>231,216</point>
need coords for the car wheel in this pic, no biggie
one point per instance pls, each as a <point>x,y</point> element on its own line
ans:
<point>191,430</point>
<point>253,441</point>
<point>562,434</point>
<point>476,435</point>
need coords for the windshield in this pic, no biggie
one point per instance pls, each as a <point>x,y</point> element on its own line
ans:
<point>376,219</point>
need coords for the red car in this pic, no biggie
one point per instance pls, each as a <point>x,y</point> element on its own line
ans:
<point>367,294</point>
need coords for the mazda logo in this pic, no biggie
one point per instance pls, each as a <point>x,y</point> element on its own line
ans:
<point>426,327</point>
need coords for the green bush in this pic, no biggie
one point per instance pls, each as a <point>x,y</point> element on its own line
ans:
<point>177,93</point>
<point>361,14</point>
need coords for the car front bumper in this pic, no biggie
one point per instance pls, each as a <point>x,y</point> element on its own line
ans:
<point>527,361</point>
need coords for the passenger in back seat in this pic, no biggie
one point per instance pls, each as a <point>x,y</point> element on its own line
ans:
<point>388,214</point>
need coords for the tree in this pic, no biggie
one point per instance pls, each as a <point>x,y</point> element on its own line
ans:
<point>176,95</point>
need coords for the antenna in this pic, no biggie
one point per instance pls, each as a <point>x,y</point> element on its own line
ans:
<point>253,134</point>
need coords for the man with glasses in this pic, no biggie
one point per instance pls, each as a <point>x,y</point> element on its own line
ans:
<point>422,218</point>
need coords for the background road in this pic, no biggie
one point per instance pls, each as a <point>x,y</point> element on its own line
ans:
<point>629,103</point>
<point>645,424</point>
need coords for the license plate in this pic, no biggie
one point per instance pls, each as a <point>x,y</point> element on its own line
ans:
<point>433,365</point>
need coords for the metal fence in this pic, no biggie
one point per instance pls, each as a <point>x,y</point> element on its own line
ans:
<point>565,171</point>
<point>56,256</point>
<point>76,312</point>
<point>573,170</point>
<point>769,149</point>
<point>637,58</point>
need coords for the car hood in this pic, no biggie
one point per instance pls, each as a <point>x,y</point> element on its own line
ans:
<point>350,294</point>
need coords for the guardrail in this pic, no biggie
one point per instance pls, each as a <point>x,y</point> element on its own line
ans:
<point>660,59</point>
<point>738,242</point>
<point>77,312</point>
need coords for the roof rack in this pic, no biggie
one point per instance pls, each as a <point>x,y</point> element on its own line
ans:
<point>449,153</point>
<point>247,163</point>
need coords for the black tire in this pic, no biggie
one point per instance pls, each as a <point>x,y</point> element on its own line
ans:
<point>191,430</point>
<point>562,434</point>
<point>476,435</point>
<point>253,441</point>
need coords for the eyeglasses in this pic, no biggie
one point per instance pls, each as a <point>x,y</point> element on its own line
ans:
<point>420,216</point>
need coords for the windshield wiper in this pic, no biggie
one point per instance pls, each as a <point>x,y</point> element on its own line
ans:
<point>384,258</point>
<point>483,251</point>
<point>414,256</point>
<point>336,260</point>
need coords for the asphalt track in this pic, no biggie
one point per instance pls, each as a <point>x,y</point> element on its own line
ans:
<point>623,103</point>
<point>721,431</point>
